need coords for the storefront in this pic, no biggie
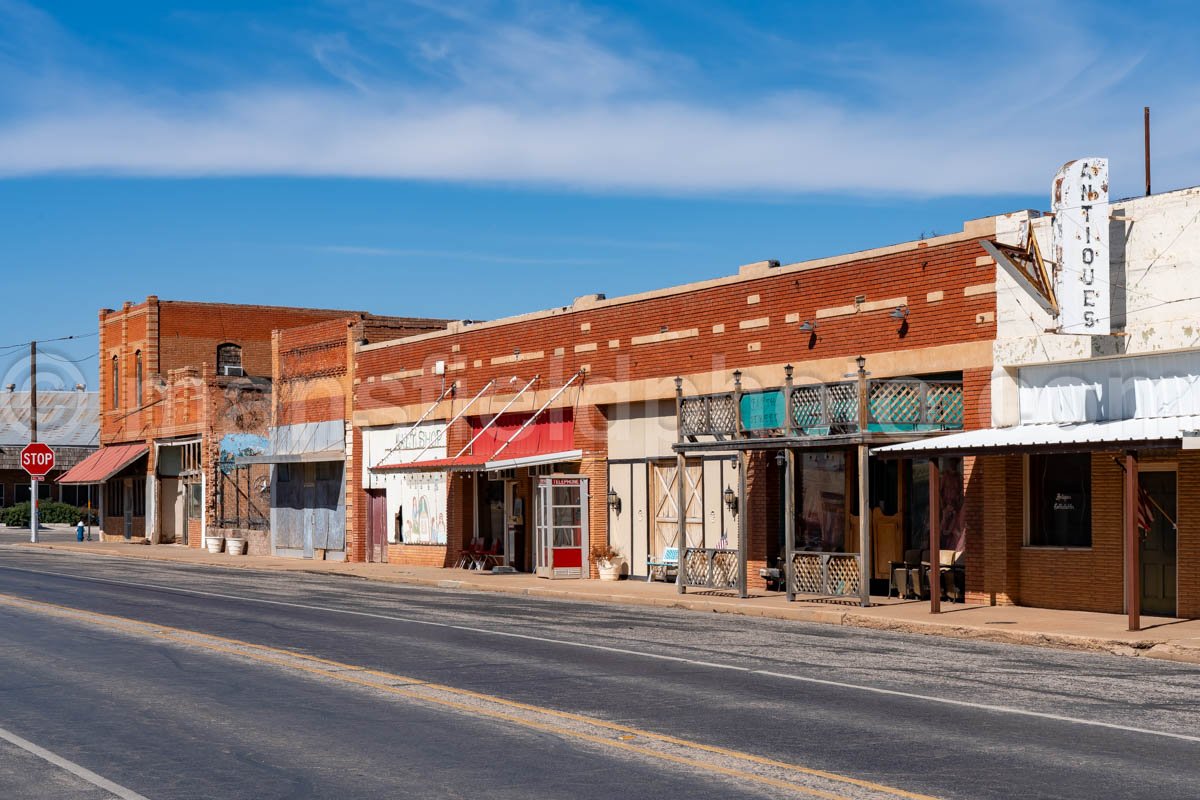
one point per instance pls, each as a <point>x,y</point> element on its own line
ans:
<point>500,469</point>
<point>817,515</point>
<point>1084,498</point>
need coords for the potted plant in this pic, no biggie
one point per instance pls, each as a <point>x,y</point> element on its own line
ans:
<point>608,561</point>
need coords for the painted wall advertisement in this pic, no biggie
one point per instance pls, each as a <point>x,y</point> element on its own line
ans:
<point>416,501</point>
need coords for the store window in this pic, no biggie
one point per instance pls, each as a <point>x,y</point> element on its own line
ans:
<point>195,499</point>
<point>1060,500</point>
<point>822,501</point>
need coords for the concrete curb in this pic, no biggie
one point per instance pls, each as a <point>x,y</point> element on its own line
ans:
<point>1146,648</point>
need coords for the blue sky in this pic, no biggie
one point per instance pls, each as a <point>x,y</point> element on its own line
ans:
<point>474,160</point>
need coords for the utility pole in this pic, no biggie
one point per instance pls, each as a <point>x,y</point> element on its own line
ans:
<point>33,482</point>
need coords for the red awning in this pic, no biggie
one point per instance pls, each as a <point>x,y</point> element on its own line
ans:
<point>104,463</point>
<point>460,464</point>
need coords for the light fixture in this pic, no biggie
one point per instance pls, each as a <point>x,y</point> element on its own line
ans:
<point>808,326</point>
<point>781,458</point>
<point>614,501</point>
<point>731,501</point>
<point>899,312</point>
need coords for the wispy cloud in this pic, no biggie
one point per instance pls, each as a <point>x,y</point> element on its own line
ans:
<point>563,97</point>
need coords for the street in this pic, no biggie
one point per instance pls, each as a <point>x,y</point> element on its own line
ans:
<point>180,682</point>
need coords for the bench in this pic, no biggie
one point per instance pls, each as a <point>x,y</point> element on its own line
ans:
<point>669,561</point>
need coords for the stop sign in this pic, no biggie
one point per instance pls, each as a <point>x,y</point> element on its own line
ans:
<point>37,459</point>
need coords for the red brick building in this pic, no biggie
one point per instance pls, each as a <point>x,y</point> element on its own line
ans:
<point>184,388</point>
<point>589,391</point>
<point>313,368</point>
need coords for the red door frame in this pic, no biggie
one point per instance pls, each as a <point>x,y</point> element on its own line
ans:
<point>377,525</point>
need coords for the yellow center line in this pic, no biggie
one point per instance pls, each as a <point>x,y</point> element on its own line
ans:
<point>228,645</point>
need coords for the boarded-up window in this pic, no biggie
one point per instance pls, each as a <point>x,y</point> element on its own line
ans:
<point>229,359</point>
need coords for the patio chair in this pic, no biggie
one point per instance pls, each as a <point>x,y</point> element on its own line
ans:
<point>901,571</point>
<point>669,561</point>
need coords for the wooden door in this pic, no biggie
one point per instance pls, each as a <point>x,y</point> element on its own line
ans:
<point>376,525</point>
<point>665,489</point>
<point>1158,551</point>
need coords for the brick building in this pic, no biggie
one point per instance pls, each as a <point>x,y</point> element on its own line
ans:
<point>185,388</point>
<point>558,430</point>
<point>310,437</point>
<point>1091,465</point>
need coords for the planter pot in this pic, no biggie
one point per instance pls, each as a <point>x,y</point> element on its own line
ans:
<point>215,543</point>
<point>235,547</point>
<point>610,570</point>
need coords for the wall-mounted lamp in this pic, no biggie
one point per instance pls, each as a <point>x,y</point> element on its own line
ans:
<point>614,501</point>
<point>731,501</point>
<point>781,458</point>
<point>808,326</point>
<point>899,312</point>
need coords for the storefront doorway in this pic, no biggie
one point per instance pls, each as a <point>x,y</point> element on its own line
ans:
<point>1158,540</point>
<point>561,527</point>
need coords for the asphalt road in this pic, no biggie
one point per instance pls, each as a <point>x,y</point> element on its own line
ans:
<point>167,717</point>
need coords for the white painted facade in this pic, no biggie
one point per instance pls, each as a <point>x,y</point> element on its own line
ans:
<point>1154,310</point>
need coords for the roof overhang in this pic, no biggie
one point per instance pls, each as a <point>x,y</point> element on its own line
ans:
<point>292,458</point>
<point>104,463</point>
<point>1125,434</point>
<point>482,463</point>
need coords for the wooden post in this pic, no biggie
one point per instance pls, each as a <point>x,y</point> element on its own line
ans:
<point>864,528</point>
<point>1133,583</point>
<point>935,538</point>
<point>789,521</point>
<point>681,511</point>
<point>864,488</point>
<point>743,545</point>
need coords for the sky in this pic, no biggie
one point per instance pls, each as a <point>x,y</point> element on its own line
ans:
<point>472,160</point>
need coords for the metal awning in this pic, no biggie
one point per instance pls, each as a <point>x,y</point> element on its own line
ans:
<point>535,460</point>
<point>482,463</point>
<point>104,463</point>
<point>292,458</point>
<point>1082,436</point>
<point>457,464</point>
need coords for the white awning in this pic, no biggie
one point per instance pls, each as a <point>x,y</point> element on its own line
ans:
<point>534,460</point>
<point>1080,436</point>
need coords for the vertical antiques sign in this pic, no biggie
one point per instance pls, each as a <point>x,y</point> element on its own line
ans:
<point>1079,198</point>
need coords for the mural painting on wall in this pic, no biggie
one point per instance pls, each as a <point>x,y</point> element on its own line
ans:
<point>423,508</point>
<point>240,444</point>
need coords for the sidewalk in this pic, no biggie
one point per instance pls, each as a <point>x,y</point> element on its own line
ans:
<point>1169,639</point>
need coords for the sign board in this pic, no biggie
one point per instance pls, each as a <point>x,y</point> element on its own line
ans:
<point>1079,197</point>
<point>37,459</point>
<point>764,410</point>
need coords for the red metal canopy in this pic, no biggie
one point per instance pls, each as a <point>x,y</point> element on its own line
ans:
<point>461,464</point>
<point>104,463</point>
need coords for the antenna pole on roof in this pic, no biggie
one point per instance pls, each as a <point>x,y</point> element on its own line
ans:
<point>1146,125</point>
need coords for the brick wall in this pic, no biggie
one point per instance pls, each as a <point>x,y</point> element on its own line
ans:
<point>736,322</point>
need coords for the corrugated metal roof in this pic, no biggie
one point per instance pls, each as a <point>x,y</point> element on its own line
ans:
<point>65,419</point>
<point>104,463</point>
<point>1084,435</point>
